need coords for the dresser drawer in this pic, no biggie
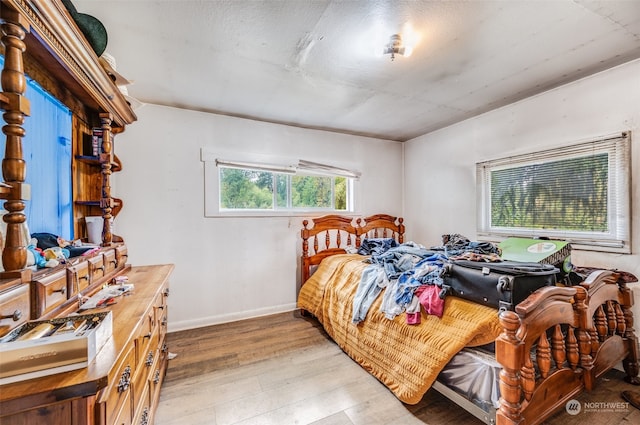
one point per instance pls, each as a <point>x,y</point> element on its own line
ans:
<point>156,378</point>
<point>143,410</point>
<point>77,278</point>
<point>14,307</point>
<point>109,260</point>
<point>147,332</point>
<point>122,255</point>
<point>123,417</point>
<point>140,392</point>
<point>118,394</point>
<point>48,292</point>
<point>96,268</point>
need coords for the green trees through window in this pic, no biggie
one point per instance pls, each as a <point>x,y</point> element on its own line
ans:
<point>568,194</point>
<point>263,190</point>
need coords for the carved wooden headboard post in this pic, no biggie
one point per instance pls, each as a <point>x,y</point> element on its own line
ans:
<point>331,229</point>
<point>304,233</point>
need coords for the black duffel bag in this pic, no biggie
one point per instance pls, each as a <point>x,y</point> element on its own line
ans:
<point>501,284</point>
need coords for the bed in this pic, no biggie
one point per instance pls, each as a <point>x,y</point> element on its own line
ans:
<point>505,367</point>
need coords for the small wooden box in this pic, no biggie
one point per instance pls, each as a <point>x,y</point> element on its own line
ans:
<point>27,359</point>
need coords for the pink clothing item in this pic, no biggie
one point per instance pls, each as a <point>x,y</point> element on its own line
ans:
<point>430,299</point>
<point>413,318</point>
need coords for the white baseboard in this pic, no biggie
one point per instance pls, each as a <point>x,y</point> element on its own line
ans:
<point>226,318</point>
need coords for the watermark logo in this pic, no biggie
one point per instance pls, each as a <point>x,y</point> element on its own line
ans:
<point>573,407</point>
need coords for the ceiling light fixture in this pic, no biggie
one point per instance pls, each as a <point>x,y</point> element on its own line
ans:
<point>395,47</point>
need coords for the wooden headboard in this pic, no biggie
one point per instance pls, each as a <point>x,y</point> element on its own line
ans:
<point>332,234</point>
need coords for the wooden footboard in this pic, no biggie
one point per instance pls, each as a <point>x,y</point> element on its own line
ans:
<point>609,325</point>
<point>558,341</point>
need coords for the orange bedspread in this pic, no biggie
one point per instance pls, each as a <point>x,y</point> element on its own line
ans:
<point>406,358</point>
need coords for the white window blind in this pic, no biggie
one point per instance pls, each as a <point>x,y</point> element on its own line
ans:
<point>580,193</point>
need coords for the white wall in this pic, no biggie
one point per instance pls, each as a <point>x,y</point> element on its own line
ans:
<point>228,268</point>
<point>440,167</point>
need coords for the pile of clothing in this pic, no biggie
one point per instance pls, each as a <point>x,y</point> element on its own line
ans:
<point>411,275</point>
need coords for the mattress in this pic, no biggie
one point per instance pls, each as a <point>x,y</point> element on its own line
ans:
<point>474,373</point>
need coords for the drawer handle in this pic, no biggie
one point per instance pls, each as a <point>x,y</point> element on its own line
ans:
<point>125,380</point>
<point>165,348</point>
<point>85,277</point>
<point>62,290</point>
<point>147,336</point>
<point>166,292</point>
<point>99,268</point>
<point>15,316</point>
<point>144,419</point>
<point>149,361</point>
<point>156,377</point>
<point>164,321</point>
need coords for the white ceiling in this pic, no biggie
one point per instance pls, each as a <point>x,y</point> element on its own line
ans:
<point>311,63</point>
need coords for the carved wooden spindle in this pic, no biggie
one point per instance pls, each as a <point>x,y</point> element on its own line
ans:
<point>14,255</point>
<point>528,377</point>
<point>586,360</point>
<point>106,159</point>
<point>573,353</point>
<point>327,239</point>
<point>628,321</point>
<point>558,349</point>
<point>315,244</point>
<point>612,324</point>
<point>622,326</point>
<point>543,355</point>
<point>349,239</point>
<point>595,340</point>
<point>338,239</point>
<point>509,351</point>
<point>600,323</point>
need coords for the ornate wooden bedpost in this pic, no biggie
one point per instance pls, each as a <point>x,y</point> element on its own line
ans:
<point>106,159</point>
<point>304,233</point>
<point>584,337</point>
<point>14,27</point>
<point>630,363</point>
<point>509,353</point>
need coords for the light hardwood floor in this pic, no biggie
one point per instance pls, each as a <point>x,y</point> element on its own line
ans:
<point>284,370</point>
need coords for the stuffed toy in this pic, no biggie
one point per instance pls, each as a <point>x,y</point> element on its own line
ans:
<point>49,258</point>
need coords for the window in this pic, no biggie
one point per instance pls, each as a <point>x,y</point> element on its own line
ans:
<point>244,188</point>
<point>578,193</point>
<point>47,153</point>
<point>258,187</point>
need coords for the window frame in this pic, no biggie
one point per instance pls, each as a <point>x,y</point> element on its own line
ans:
<point>616,239</point>
<point>212,164</point>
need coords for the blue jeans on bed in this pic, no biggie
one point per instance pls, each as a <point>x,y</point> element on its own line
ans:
<point>372,282</point>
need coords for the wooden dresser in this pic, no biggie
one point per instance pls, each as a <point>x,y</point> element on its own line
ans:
<point>122,385</point>
<point>46,41</point>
